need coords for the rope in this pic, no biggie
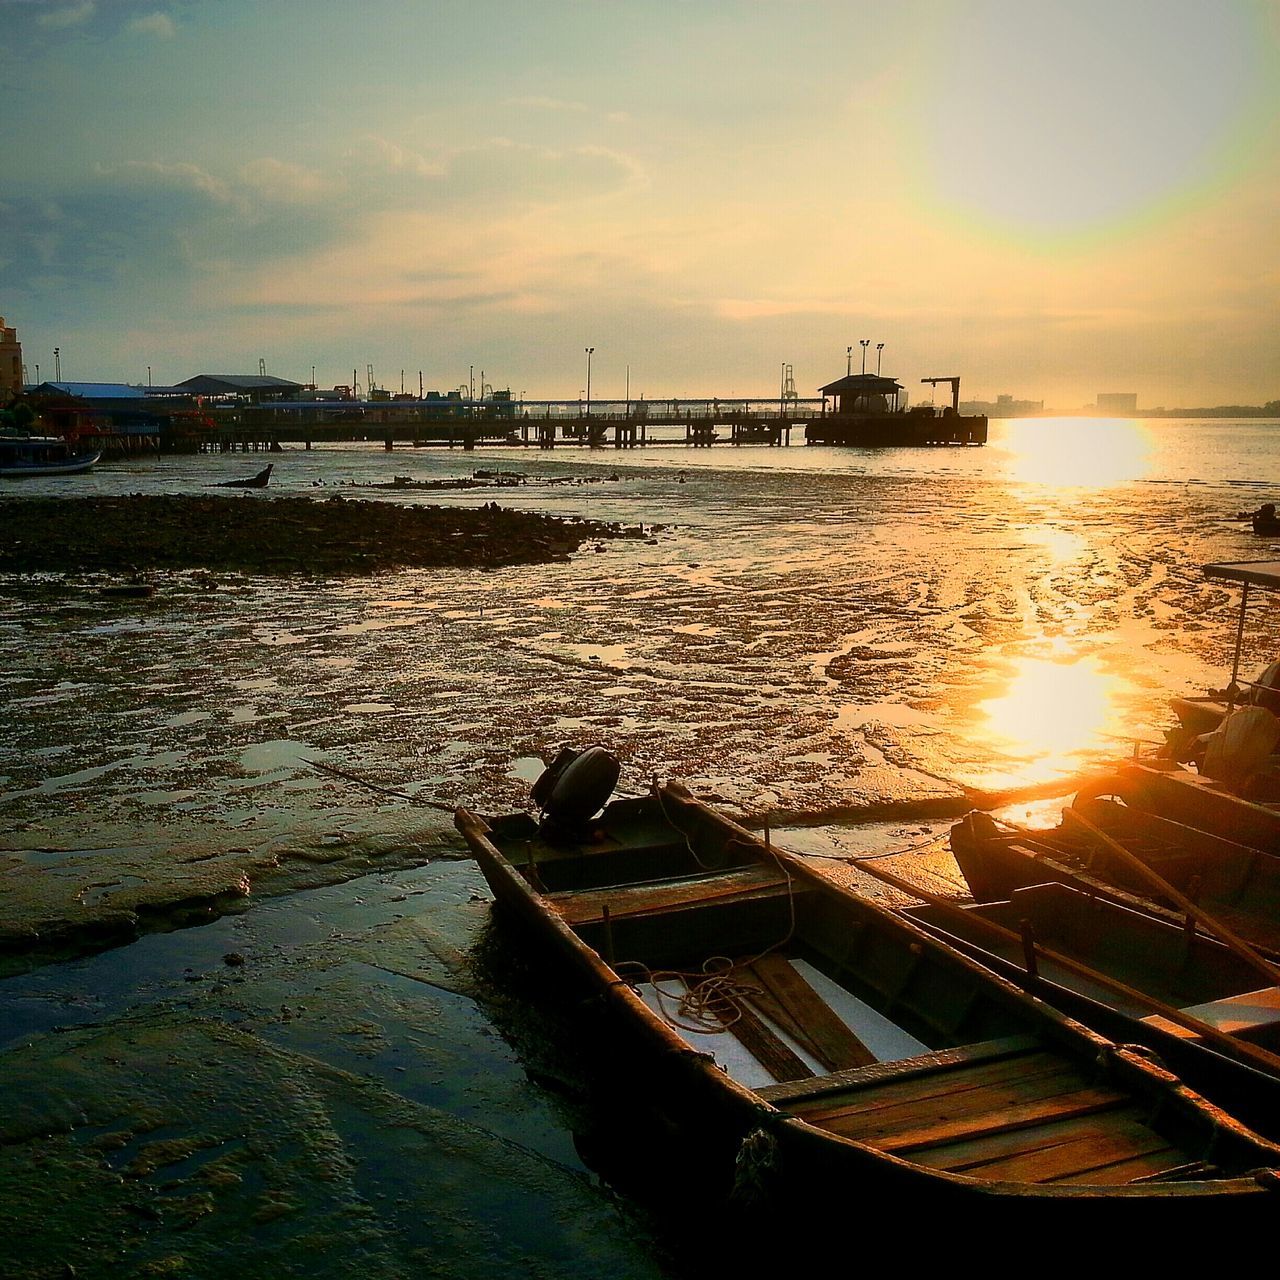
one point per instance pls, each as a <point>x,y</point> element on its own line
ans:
<point>713,999</point>
<point>711,1002</point>
<point>373,786</point>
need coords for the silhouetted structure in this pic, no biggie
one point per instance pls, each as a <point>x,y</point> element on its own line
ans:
<point>870,411</point>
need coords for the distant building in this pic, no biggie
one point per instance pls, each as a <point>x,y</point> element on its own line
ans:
<point>1005,406</point>
<point>10,362</point>
<point>1117,402</point>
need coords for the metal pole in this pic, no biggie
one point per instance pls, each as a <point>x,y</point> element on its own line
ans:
<point>590,352</point>
<point>879,349</point>
<point>864,343</point>
<point>848,363</point>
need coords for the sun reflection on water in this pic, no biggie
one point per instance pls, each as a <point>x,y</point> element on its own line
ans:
<point>1051,716</point>
<point>1067,453</point>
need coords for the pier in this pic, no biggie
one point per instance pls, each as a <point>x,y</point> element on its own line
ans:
<point>541,424</point>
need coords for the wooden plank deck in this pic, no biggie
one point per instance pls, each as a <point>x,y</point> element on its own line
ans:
<point>1030,1116</point>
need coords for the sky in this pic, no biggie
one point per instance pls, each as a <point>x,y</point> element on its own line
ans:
<point>1048,199</point>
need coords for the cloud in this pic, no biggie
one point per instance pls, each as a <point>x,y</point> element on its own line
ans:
<point>74,16</point>
<point>282,182</point>
<point>160,25</point>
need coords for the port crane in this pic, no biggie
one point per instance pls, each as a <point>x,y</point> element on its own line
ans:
<point>955,390</point>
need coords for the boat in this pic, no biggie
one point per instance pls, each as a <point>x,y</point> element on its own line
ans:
<point>1204,1010</point>
<point>803,1047</point>
<point>258,481</point>
<point>871,411</point>
<point>1238,883</point>
<point>22,456</point>
<point>1266,524</point>
<point>1200,715</point>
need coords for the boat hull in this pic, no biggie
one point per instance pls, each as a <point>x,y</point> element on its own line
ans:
<point>71,467</point>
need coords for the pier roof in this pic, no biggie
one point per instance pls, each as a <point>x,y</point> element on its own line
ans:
<point>861,384</point>
<point>212,384</point>
<point>95,390</point>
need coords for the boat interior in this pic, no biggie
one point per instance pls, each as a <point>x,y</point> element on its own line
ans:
<point>840,1016</point>
<point>1176,966</point>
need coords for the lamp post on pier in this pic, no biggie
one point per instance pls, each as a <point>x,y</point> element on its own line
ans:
<point>879,349</point>
<point>864,343</point>
<point>590,352</point>
<point>848,361</point>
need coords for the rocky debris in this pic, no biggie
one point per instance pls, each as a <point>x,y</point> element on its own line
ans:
<point>279,536</point>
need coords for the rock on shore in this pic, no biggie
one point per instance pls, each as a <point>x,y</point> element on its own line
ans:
<point>274,535</point>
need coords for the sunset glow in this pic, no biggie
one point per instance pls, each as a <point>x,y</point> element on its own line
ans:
<point>991,189</point>
<point>1092,453</point>
<point>1049,714</point>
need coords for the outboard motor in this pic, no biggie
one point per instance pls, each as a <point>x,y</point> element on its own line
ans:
<point>574,788</point>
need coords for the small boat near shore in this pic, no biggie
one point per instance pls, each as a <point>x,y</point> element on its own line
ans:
<point>259,481</point>
<point>805,1048</point>
<point>22,456</point>
<point>1238,883</point>
<point>1134,977</point>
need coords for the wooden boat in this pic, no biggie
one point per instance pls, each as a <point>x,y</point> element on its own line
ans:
<point>1135,978</point>
<point>1266,524</point>
<point>802,1044</point>
<point>258,481</point>
<point>1201,715</point>
<point>22,456</point>
<point>1238,883</point>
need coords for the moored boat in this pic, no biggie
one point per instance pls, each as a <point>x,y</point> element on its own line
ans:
<point>258,481</point>
<point>809,1046</point>
<point>1134,977</point>
<point>1238,883</point>
<point>22,456</point>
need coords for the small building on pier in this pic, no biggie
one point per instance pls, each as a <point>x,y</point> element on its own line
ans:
<point>865,393</point>
<point>870,411</point>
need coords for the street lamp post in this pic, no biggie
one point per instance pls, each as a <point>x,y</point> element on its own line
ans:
<point>590,352</point>
<point>848,364</point>
<point>879,349</point>
<point>57,364</point>
<point>864,343</point>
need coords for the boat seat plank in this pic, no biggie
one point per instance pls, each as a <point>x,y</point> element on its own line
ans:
<point>1139,1167</point>
<point>771,1050</point>
<point>939,1088</point>
<point>1072,1159</point>
<point>1232,1015</point>
<point>941,1065</point>
<point>586,906</point>
<point>958,1157</point>
<point>996,1111</point>
<point>833,1043</point>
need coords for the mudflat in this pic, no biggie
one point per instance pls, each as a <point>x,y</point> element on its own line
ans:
<point>275,535</point>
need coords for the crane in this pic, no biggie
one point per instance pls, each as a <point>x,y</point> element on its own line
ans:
<point>955,390</point>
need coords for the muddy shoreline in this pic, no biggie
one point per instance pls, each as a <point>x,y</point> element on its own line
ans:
<point>276,535</point>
